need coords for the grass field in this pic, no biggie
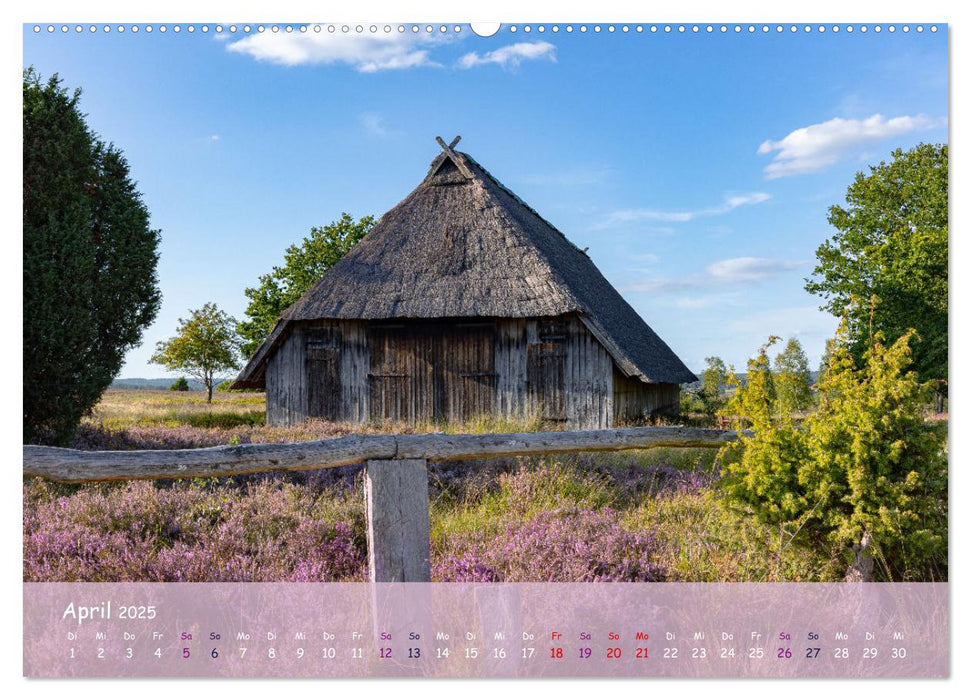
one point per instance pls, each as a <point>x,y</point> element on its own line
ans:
<point>647,515</point>
<point>130,408</point>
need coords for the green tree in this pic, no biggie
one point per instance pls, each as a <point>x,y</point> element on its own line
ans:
<point>205,345</point>
<point>179,384</point>
<point>824,360</point>
<point>865,474</point>
<point>761,470</point>
<point>90,256</point>
<point>793,380</point>
<point>303,266</point>
<point>891,243</point>
<point>713,378</point>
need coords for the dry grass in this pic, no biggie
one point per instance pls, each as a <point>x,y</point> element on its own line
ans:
<point>131,408</point>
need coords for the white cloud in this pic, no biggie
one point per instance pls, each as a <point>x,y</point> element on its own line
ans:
<point>662,286</point>
<point>729,203</point>
<point>818,146</point>
<point>705,301</point>
<point>214,137</point>
<point>796,321</point>
<point>374,125</point>
<point>719,274</point>
<point>510,56</point>
<point>646,258</point>
<point>367,53</point>
<point>746,270</point>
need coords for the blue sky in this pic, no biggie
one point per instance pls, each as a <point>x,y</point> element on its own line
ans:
<point>697,168</point>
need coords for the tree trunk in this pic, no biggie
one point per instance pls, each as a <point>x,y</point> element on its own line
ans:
<point>209,388</point>
<point>861,569</point>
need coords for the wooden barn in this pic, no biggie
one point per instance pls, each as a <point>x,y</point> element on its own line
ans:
<point>463,302</point>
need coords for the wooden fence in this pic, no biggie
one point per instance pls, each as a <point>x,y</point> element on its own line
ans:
<point>396,477</point>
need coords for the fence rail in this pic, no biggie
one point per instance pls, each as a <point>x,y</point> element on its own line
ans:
<point>396,479</point>
<point>77,466</point>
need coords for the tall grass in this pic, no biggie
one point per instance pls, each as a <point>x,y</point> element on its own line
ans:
<point>126,408</point>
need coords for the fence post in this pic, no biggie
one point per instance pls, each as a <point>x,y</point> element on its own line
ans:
<point>397,520</point>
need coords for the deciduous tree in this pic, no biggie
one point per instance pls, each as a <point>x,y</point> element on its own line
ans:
<point>713,378</point>
<point>891,244</point>
<point>793,380</point>
<point>205,345</point>
<point>303,266</point>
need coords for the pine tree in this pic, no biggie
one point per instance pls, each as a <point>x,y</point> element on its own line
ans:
<point>90,286</point>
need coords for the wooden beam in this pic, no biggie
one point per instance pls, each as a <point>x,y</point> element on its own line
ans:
<point>77,466</point>
<point>397,520</point>
<point>456,158</point>
<point>437,447</point>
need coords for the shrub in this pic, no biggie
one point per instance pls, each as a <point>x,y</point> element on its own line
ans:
<point>691,402</point>
<point>204,530</point>
<point>180,384</point>
<point>865,473</point>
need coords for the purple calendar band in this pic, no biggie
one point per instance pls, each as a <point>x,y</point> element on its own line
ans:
<point>485,630</point>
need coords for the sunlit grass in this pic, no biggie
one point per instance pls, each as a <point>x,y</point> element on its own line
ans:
<point>703,539</point>
<point>131,408</point>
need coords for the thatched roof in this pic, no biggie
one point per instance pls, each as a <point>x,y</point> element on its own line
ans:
<point>463,245</point>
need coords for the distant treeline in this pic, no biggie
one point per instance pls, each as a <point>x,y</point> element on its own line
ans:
<point>741,378</point>
<point>142,383</point>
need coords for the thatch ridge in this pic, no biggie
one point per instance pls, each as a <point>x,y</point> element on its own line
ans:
<point>470,247</point>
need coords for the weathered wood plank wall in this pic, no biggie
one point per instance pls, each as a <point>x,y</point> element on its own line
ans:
<point>457,371</point>
<point>286,382</point>
<point>355,365</point>
<point>633,399</point>
<point>579,394</point>
<point>511,367</point>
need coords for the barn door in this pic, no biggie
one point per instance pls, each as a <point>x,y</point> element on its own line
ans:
<point>323,373</point>
<point>431,372</point>
<point>546,371</point>
<point>400,382</point>
<point>465,378</point>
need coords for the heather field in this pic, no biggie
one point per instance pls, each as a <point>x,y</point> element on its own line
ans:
<point>653,515</point>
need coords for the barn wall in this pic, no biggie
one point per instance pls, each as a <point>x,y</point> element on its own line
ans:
<point>634,400</point>
<point>286,382</point>
<point>355,364</point>
<point>589,380</point>
<point>512,397</point>
<point>549,368</point>
<point>524,348</point>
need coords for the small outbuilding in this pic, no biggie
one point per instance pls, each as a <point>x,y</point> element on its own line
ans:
<point>462,302</point>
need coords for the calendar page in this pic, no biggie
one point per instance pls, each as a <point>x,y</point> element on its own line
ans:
<point>513,350</point>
